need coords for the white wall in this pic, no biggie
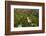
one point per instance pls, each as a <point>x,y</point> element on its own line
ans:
<point>2,18</point>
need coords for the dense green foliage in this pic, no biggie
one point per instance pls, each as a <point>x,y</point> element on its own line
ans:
<point>21,19</point>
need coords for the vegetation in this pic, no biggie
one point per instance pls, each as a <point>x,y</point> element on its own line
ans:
<point>21,17</point>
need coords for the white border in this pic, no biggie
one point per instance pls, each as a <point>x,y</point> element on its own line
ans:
<point>26,28</point>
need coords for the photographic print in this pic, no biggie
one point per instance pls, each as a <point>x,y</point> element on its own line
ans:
<point>24,18</point>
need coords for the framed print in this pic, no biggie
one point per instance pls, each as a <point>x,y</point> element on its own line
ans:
<point>24,17</point>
